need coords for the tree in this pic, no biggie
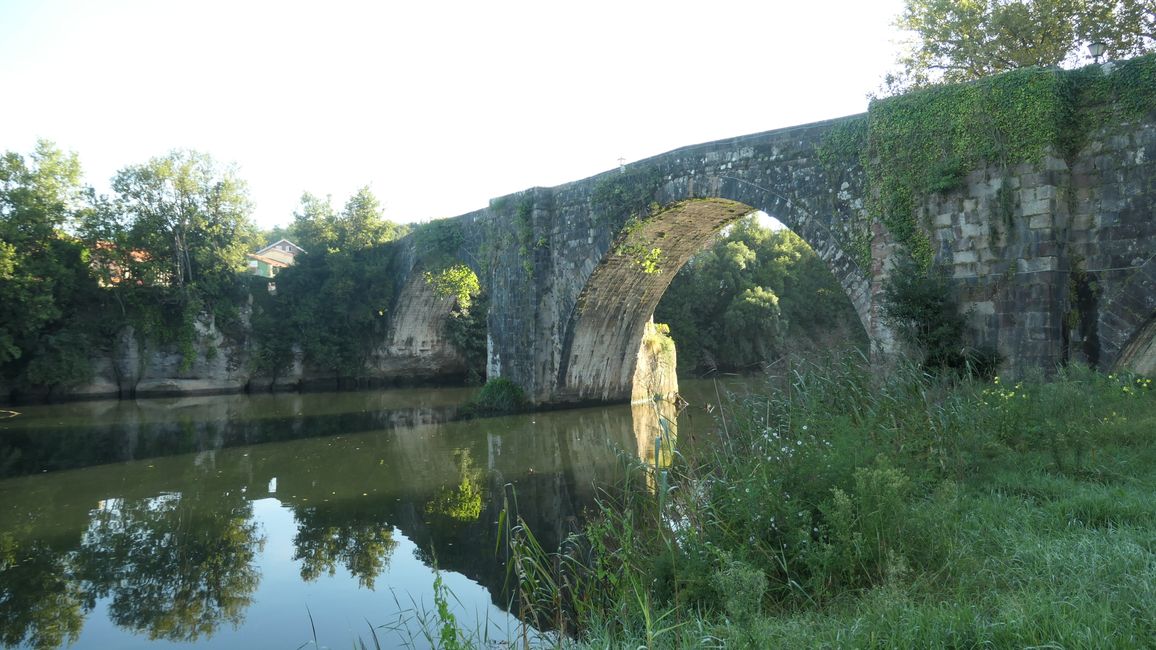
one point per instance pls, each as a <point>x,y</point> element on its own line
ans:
<point>359,225</point>
<point>313,224</point>
<point>962,40</point>
<point>45,283</point>
<point>187,220</point>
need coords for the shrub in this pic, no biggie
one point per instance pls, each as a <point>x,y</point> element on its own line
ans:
<point>499,396</point>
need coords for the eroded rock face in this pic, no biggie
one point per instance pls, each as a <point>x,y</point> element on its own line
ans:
<point>656,370</point>
<point>416,350</point>
<point>417,347</point>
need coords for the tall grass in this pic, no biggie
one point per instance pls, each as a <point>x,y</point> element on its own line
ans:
<point>837,509</point>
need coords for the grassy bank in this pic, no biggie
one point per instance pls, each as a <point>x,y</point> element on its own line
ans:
<point>838,511</point>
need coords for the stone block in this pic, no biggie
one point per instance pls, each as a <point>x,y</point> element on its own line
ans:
<point>1040,221</point>
<point>1036,206</point>
<point>984,308</point>
<point>960,271</point>
<point>1036,265</point>
<point>965,257</point>
<point>972,230</point>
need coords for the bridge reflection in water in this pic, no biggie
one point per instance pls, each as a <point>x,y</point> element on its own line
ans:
<point>180,528</point>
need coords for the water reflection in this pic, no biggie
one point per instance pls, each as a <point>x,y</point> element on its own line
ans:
<point>171,547</point>
<point>656,433</point>
<point>175,566</point>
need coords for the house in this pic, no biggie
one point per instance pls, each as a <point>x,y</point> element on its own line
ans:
<point>113,267</point>
<point>269,261</point>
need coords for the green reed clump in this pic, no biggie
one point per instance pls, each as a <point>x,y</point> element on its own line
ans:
<point>983,510</point>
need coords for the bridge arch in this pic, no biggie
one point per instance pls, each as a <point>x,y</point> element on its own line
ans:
<point>600,348</point>
<point>1128,323</point>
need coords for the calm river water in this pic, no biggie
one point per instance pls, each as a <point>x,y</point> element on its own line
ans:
<point>274,520</point>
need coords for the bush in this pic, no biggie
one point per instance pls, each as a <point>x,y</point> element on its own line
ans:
<point>920,305</point>
<point>499,396</point>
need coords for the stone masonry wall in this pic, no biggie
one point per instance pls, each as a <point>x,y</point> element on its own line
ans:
<point>1054,261</point>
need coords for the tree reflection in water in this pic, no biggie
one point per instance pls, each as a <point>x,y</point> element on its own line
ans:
<point>352,533</point>
<point>175,566</point>
<point>463,501</point>
<point>173,550</point>
<point>40,604</point>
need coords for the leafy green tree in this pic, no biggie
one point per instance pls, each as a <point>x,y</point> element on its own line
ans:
<point>753,321</point>
<point>314,224</point>
<point>362,225</point>
<point>276,234</point>
<point>1126,27</point>
<point>46,288</point>
<point>187,220</point>
<point>359,225</point>
<point>955,41</point>
<point>334,301</point>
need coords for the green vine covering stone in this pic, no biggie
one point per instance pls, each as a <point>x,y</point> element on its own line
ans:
<point>629,244</point>
<point>458,281</point>
<point>620,197</point>
<point>843,148</point>
<point>437,242</point>
<point>925,142</point>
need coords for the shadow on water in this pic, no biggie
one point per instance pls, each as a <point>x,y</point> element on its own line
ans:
<point>160,532</point>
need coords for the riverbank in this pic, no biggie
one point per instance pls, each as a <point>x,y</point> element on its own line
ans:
<point>836,512</point>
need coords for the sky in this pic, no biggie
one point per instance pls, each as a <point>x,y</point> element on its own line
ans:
<point>438,107</point>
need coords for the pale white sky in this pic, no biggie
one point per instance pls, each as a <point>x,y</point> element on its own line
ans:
<point>437,106</point>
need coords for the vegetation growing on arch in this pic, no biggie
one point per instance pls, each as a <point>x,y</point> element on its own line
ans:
<point>467,328</point>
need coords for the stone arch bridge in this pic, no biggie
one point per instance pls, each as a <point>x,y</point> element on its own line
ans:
<point>1054,259</point>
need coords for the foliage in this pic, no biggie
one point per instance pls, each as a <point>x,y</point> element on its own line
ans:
<point>962,41</point>
<point>629,245</point>
<point>47,294</point>
<point>841,509</point>
<point>920,306</point>
<point>925,141</point>
<point>347,533</point>
<point>359,225</point>
<point>458,281</point>
<point>463,501</point>
<point>186,219</point>
<point>437,242</point>
<point>333,305</point>
<point>922,142</point>
<point>467,330</point>
<point>620,197</point>
<point>499,396</point>
<point>174,567</point>
<point>752,297</point>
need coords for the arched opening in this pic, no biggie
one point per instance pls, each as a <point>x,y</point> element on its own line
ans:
<point>601,345</point>
<point>1139,356</point>
<point>437,330</point>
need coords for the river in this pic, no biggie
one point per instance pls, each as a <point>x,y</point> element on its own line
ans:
<point>285,520</point>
